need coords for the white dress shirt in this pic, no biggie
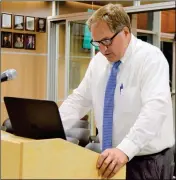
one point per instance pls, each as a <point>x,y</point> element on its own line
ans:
<point>143,116</point>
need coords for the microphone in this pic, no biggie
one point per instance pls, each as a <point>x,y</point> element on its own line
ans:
<point>9,74</point>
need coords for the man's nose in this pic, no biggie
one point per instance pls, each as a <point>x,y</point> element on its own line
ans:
<point>103,48</point>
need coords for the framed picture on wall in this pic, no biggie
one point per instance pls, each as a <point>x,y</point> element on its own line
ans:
<point>6,20</point>
<point>6,39</point>
<point>18,22</point>
<point>30,23</point>
<point>30,41</point>
<point>18,40</point>
<point>41,25</point>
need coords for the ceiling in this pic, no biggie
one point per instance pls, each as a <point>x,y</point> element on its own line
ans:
<point>102,3</point>
<point>123,2</point>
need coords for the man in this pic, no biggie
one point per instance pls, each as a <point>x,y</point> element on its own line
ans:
<point>127,84</point>
<point>19,22</point>
<point>41,25</point>
<point>30,44</point>
<point>19,42</point>
<point>6,43</point>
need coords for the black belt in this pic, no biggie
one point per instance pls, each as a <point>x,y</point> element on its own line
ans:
<point>151,156</point>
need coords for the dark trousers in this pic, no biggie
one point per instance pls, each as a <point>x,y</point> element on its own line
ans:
<point>159,166</point>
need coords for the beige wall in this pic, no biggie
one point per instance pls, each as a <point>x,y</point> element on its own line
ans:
<point>28,8</point>
<point>30,64</point>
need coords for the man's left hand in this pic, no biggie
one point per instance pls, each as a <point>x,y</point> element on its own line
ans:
<point>110,161</point>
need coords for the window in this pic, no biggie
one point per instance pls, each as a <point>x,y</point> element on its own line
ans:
<point>145,37</point>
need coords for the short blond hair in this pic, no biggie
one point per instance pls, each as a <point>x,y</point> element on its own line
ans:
<point>114,15</point>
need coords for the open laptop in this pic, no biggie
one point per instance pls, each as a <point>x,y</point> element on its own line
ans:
<point>35,119</point>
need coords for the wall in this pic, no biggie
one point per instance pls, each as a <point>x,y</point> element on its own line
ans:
<point>30,64</point>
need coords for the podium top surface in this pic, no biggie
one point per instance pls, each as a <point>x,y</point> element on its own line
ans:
<point>12,138</point>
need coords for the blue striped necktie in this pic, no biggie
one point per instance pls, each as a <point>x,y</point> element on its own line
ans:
<point>109,107</point>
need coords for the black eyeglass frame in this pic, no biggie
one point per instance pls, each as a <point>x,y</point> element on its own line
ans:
<point>101,41</point>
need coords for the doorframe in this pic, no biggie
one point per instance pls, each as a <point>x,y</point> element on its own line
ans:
<point>168,37</point>
<point>67,58</point>
<point>174,67</point>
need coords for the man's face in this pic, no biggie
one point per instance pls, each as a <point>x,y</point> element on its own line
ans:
<point>18,39</point>
<point>5,38</point>
<point>100,31</point>
<point>41,24</point>
<point>29,39</point>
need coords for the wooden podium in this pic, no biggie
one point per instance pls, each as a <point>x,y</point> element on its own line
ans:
<point>23,158</point>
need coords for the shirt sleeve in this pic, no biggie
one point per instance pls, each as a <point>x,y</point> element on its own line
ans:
<point>155,96</point>
<point>78,103</point>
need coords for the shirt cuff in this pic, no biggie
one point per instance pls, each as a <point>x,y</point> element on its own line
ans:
<point>129,148</point>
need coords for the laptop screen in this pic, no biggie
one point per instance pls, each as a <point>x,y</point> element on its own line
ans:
<point>35,119</point>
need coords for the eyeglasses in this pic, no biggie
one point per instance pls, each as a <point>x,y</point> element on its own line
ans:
<point>105,42</point>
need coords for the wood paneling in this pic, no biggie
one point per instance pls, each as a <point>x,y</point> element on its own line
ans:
<point>168,21</point>
<point>4,114</point>
<point>27,8</point>
<point>31,79</point>
<point>142,20</point>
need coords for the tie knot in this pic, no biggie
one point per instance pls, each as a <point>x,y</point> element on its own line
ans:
<point>116,65</point>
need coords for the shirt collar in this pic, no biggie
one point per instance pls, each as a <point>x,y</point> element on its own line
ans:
<point>129,49</point>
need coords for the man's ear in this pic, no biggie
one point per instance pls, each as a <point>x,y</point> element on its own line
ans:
<point>126,31</point>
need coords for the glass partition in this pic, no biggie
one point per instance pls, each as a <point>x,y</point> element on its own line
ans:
<point>80,52</point>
